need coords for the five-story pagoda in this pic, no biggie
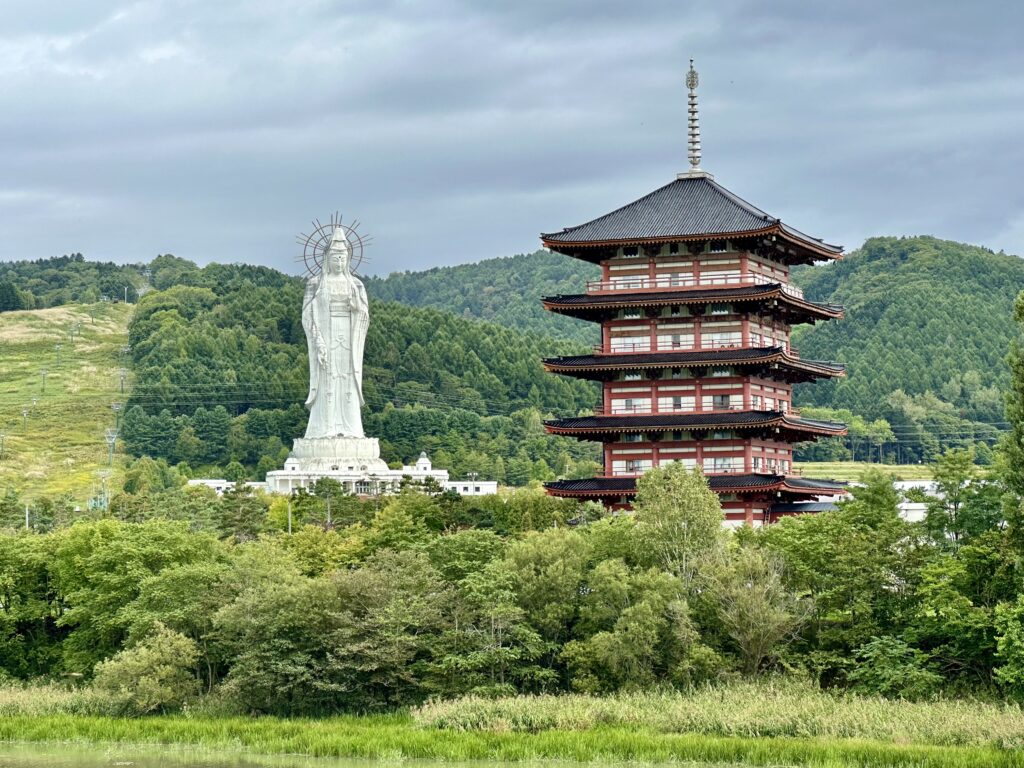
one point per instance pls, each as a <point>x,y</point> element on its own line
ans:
<point>695,363</point>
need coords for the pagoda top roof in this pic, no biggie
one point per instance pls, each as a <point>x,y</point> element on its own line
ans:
<point>800,486</point>
<point>692,207</point>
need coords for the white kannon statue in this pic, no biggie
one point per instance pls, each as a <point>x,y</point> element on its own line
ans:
<point>335,316</point>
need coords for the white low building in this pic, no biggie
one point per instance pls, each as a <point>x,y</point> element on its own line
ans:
<point>361,478</point>
<point>472,487</point>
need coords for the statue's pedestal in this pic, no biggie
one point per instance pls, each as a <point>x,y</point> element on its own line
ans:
<point>352,454</point>
<point>352,461</point>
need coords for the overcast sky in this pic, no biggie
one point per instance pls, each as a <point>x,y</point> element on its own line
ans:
<point>456,131</point>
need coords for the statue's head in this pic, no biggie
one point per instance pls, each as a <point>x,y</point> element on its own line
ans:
<point>338,253</point>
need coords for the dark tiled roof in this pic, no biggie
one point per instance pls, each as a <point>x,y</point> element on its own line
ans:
<point>800,507</point>
<point>720,483</point>
<point>686,207</point>
<point>807,484</point>
<point>663,298</point>
<point>740,355</point>
<point>693,420</point>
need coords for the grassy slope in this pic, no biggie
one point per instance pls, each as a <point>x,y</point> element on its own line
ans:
<point>851,471</point>
<point>62,448</point>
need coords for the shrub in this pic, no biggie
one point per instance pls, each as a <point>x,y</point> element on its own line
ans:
<point>154,676</point>
<point>890,667</point>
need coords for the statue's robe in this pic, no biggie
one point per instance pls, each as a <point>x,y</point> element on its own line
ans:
<point>335,317</point>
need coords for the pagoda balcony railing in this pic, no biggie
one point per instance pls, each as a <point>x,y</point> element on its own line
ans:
<point>677,283</point>
<point>734,406</point>
<point>770,468</point>
<point>680,346</point>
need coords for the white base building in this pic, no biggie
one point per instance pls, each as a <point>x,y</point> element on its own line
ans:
<point>354,462</point>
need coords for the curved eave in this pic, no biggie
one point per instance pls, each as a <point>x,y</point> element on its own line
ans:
<point>597,307</point>
<point>606,487</point>
<point>594,364</point>
<point>741,421</point>
<point>578,248</point>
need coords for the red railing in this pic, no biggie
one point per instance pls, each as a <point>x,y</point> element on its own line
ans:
<point>734,406</point>
<point>675,283</point>
<point>773,468</point>
<point>646,346</point>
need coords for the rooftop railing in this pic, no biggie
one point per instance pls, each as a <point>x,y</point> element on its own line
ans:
<point>766,468</point>
<point>677,283</point>
<point>683,346</point>
<point>735,405</point>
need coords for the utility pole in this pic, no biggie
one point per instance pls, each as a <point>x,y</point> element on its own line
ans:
<point>2,436</point>
<point>123,373</point>
<point>111,436</point>
<point>57,348</point>
<point>126,294</point>
<point>24,418</point>
<point>43,372</point>
<point>26,517</point>
<point>289,517</point>
<point>116,408</point>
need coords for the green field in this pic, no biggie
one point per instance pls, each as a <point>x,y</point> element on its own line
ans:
<point>60,447</point>
<point>851,471</point>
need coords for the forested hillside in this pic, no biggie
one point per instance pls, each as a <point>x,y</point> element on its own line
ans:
<point>66,279</point>
<point>927,326</point>
<point>922,314</point>
<point>221,372</point>
<point>506,291</point>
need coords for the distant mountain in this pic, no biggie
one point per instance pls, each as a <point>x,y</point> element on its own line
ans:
<point>505,291</point>
<point>927,328</point>
<point>922,314</point>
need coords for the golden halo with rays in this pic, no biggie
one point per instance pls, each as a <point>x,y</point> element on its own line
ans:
<point>315,244</point>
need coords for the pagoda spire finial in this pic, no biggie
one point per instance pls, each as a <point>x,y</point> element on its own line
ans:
<point>693,131</point>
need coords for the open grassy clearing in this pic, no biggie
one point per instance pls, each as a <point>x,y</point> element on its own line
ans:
<point>851,471</point>
<point>765,724</point>
<point>60,447</point>
<point>396,738</point>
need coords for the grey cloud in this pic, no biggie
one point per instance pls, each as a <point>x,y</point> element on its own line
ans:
<point>458,130</point>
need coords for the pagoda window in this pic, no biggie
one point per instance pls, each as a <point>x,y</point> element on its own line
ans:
<point>673,247</point>
<point>632,376</point>
<point>721,339</point>
<point>632,314</point>
<point>676,311</point>
<point>722,435</point>
<point>755,402</point>
<point>631,405</point>
<point>723,464</point>
<point>630,251</point>
<point>719,402</point>
<point>718,246</point>
<point>680,436</point>
<point>633,437</point>
<point>676,404</point>
<point>758,463</point>
<point>688,463</point>
<point>631,343</point>
<point>719,372</point>
<point>631,466</point>
<point>675,341</point>
<point>721,309</point>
